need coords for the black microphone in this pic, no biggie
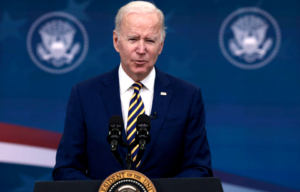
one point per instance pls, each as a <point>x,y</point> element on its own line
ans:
<point>114,137</point>
<point>142,137</point>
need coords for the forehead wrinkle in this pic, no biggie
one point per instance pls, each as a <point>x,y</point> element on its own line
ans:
<point>134,29</point>
<point>132,36</point>
<point>140,24</point>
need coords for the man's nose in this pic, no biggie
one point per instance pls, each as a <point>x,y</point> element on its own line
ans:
<point>141,48</point>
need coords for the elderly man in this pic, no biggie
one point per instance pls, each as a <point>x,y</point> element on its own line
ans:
<point>178,147</point>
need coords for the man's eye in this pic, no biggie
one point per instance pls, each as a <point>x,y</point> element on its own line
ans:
<point>132,39</point>
<point>151,41</point>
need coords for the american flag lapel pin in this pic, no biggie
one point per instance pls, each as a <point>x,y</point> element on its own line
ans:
<point>163,93</point>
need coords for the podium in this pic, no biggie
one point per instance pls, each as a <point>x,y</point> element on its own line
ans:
<point>208,184</point>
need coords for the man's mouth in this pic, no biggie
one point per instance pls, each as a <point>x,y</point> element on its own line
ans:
<point>140,61</point>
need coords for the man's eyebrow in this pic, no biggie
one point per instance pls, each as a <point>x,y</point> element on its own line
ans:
<point>137,36</point>
<point>152,38</point>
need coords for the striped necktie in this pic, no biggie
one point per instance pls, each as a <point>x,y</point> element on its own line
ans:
<point>136,108</point>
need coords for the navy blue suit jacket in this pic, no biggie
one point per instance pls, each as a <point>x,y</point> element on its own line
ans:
<point>178,147</point>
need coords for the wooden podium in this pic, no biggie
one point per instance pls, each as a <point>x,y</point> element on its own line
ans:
<point>208,184</point>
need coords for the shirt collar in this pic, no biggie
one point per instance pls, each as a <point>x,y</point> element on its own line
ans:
<point>126,82</point>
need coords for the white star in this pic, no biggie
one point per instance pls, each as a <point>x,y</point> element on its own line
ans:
<point>9,28</point>
<point>77,9</point>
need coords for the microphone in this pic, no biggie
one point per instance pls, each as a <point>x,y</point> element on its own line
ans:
<point>142,136</point>
<point>114,137</point>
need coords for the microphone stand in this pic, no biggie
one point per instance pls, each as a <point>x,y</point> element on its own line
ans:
<point>128,159</point>
<point>115,139</point>
<point>114,147</point>
<point>142,148</point>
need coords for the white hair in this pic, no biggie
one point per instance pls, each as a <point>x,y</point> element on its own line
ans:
<point>139,7</point>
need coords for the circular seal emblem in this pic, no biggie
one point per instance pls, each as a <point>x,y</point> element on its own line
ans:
<point>249,38</point>
<point>127,181</point>
<point>57,42</point>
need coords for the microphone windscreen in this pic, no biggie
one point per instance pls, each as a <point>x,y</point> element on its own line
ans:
<point>144,121</point>
<point>116,121</point>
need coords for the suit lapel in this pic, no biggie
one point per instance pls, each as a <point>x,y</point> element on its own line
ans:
<point>160,106</point>
<point>112,101</point>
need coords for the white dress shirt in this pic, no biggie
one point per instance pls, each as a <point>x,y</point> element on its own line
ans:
<point>126,92</point>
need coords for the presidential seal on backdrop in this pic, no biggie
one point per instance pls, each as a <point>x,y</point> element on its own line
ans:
<point>57,42</point>
<point>127,181</point>
<point>249,38</point>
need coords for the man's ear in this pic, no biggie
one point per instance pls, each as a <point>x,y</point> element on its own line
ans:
<point>161,47</point>
<point>116,41</point>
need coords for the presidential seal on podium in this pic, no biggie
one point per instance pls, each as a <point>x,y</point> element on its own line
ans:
<point>127,181</point>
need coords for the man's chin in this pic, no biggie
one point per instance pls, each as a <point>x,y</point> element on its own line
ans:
<point>141,73</point>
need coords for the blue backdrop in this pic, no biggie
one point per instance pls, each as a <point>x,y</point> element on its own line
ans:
<point>244,55</point>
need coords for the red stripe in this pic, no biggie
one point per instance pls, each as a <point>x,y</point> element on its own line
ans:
<point>29,136</point>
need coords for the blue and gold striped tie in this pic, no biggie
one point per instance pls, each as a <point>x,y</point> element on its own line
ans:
<point>136,108</point>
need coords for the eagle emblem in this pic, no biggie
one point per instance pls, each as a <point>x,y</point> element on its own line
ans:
<point>127,188</point>
<point>57,46</point>
<point>249,40</point>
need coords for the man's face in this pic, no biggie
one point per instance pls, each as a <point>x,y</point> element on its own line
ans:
<point>139,44</point>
